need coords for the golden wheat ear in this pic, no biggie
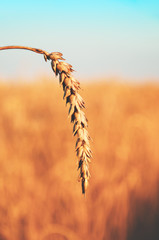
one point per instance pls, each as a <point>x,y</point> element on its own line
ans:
<point>80,123</point>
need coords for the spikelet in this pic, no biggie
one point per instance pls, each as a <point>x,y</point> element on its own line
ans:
<point>78,118</point>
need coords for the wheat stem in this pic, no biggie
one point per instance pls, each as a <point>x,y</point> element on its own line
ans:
<point>36,50</point>
<point>78,118</point>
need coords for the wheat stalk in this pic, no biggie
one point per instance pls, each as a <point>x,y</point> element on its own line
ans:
<point>80,123</point>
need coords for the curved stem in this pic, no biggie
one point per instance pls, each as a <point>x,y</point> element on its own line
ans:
<point>36,50</point>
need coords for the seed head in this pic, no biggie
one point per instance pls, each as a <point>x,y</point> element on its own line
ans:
<point>76,105</point>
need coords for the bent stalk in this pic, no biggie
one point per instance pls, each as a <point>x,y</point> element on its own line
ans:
<point>80,123</point>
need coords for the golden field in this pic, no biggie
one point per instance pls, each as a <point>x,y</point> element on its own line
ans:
<point>40,196</point>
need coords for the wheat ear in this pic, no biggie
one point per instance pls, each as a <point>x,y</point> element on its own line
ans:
<point>80,123</point>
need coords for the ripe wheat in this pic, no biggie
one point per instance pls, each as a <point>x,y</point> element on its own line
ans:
<point>80,123</point>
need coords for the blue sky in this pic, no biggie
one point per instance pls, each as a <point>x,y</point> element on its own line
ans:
<point>99,38</point>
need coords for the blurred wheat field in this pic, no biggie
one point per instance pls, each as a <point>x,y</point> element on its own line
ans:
<point>40,197</point>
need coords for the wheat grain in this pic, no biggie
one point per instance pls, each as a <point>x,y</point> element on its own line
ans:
<point>80,123</point>
<point>70,88</point>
